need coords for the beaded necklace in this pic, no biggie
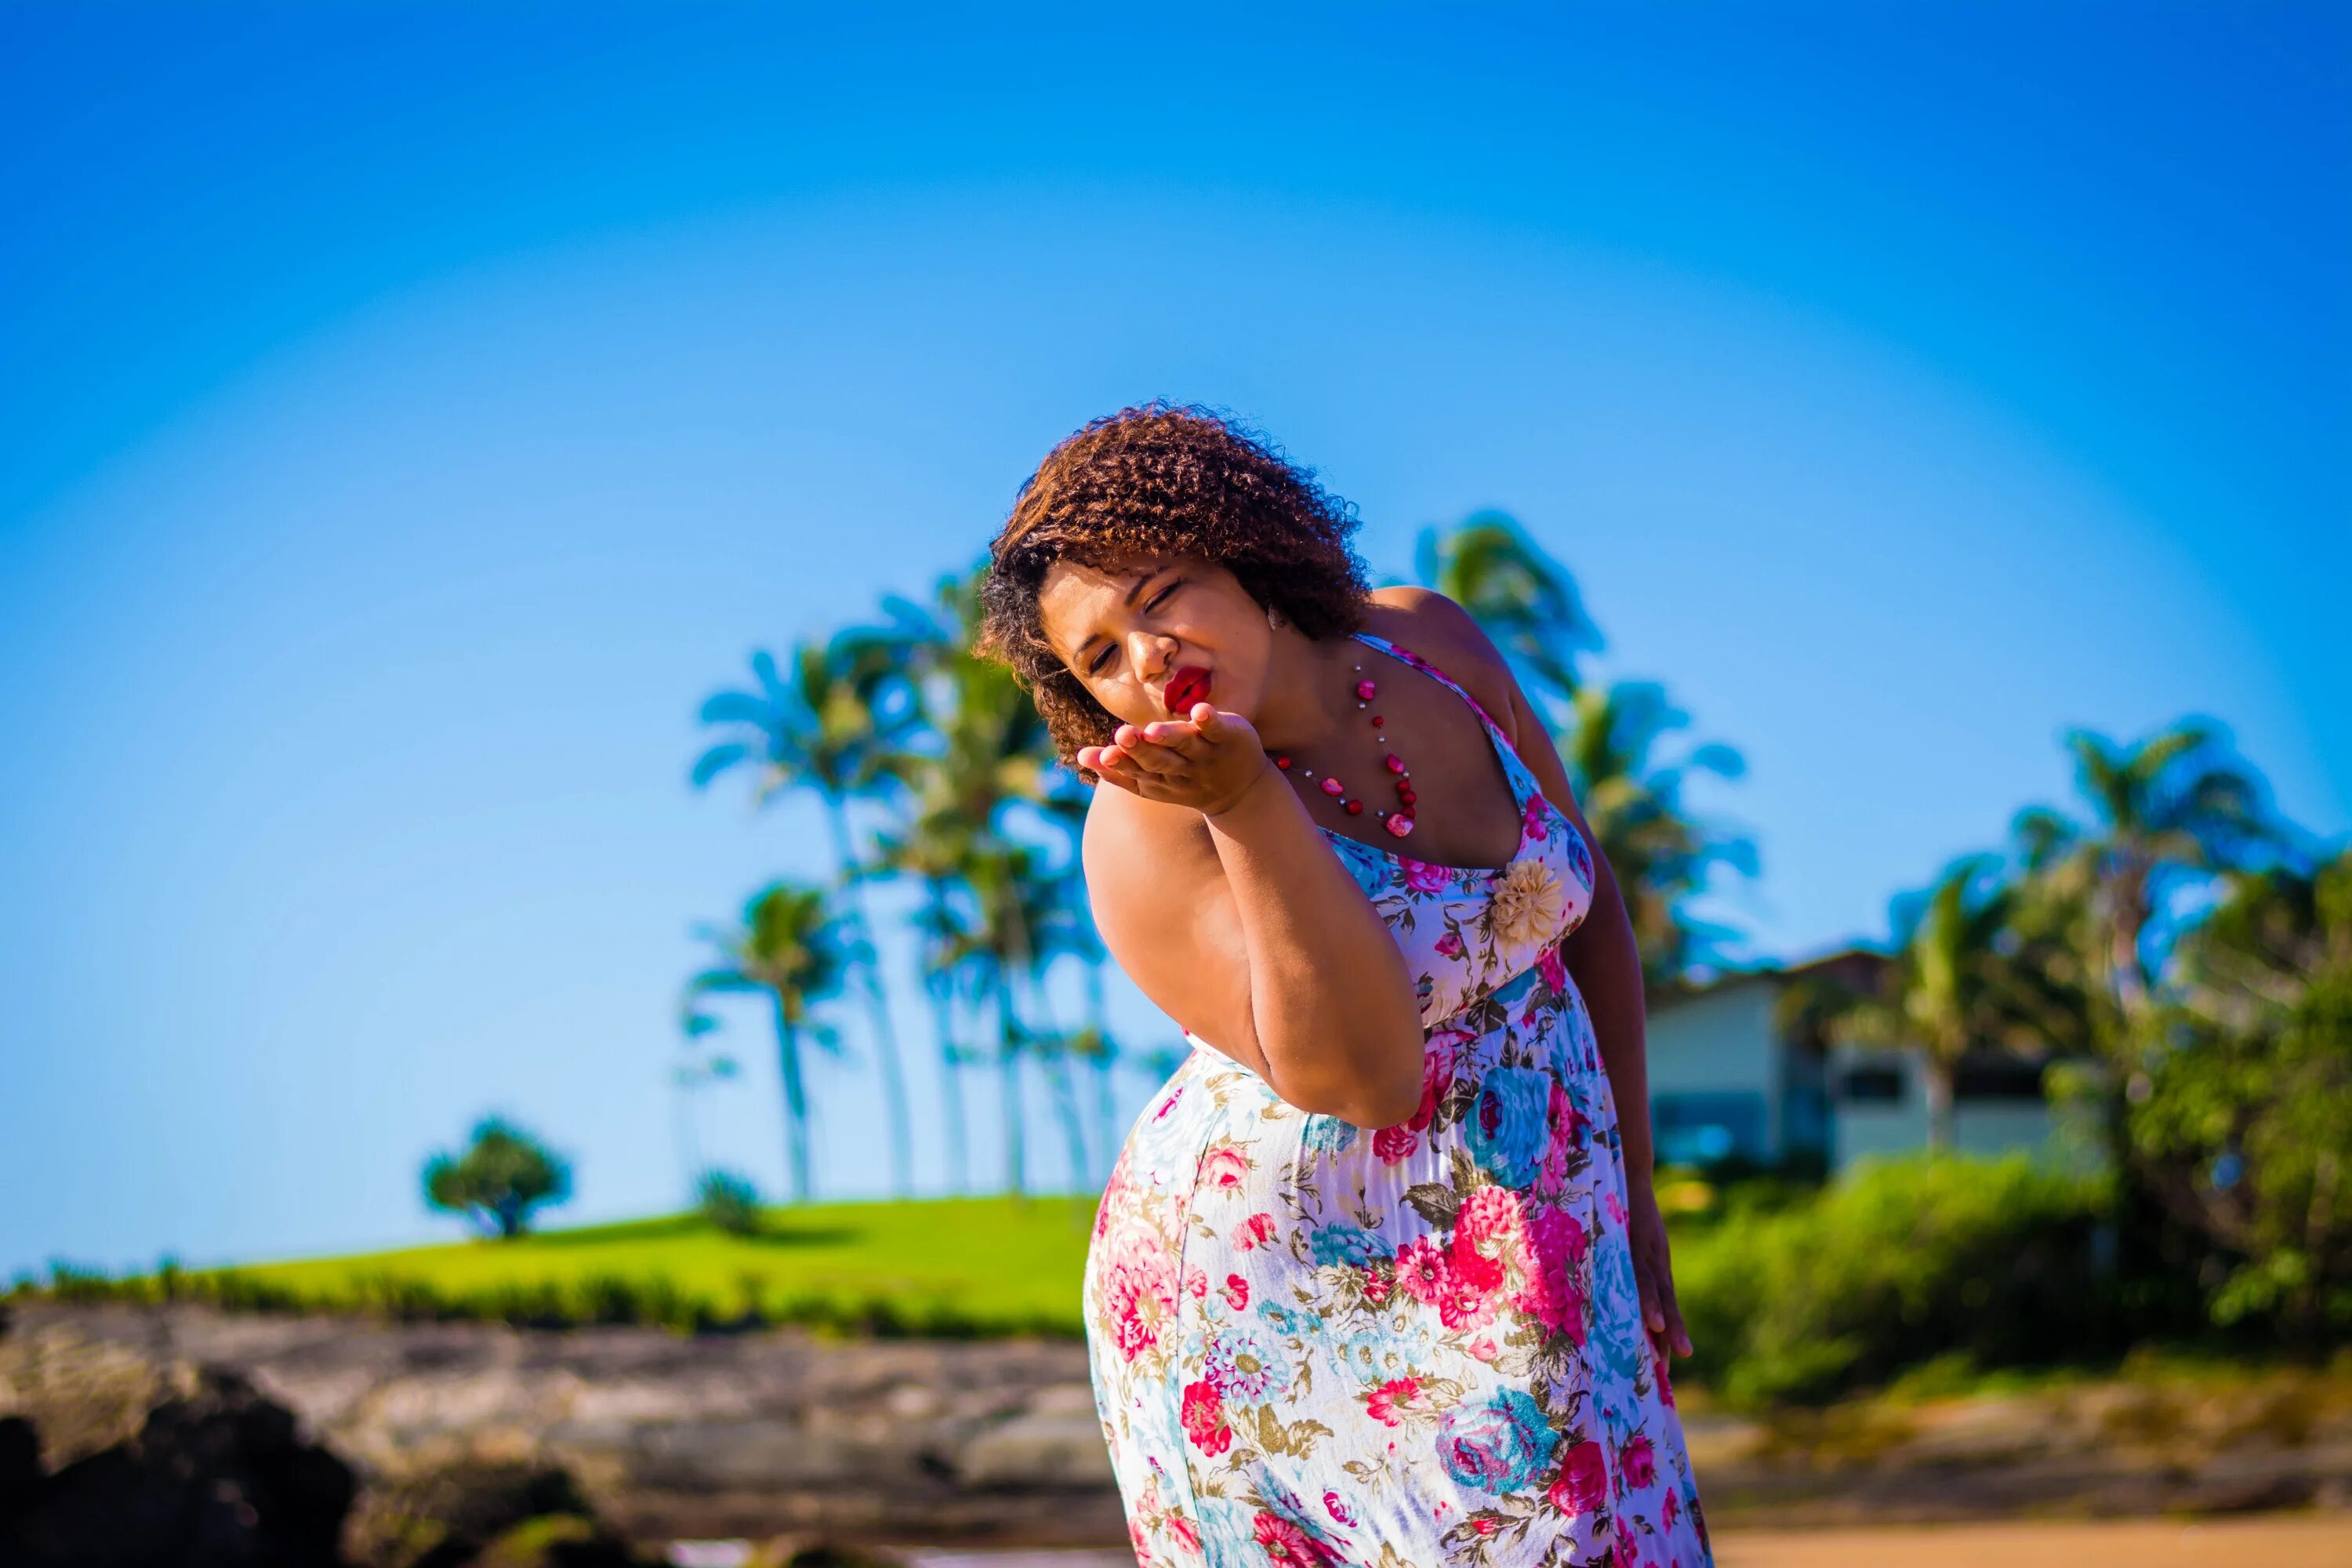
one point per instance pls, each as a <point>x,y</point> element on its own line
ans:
<point>1398,822</point>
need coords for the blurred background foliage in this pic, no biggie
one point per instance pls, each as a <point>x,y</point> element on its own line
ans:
<point>2180,954</point>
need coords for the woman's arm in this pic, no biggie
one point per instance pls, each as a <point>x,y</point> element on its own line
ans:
<point>1218,897</point>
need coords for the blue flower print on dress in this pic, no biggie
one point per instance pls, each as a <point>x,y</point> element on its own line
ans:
<point>1328,1134</point>
<point>1244,1367</point>
<point>1498,1445</point>
<point>1511,1124</point>
<point>1616,1311</point>
<point>1348,1244</point>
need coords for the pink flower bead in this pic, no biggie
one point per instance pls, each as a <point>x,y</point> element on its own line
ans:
<point>1399,824</point>
<point>1364,689</point>
<point>1330,784</point>
<point>1396,763</point>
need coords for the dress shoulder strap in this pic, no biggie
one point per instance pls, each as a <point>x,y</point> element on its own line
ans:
<point>1407,656</point>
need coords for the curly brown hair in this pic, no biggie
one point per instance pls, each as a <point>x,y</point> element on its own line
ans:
<point>1164,480</point>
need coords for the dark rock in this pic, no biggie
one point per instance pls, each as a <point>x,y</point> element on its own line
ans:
<point>448,1517</point>
<point>219,1478</point>
<point>558,1540</point>
<point>20,1469</point>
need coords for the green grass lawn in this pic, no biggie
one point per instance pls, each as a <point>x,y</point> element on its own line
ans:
<point>971,1265</point>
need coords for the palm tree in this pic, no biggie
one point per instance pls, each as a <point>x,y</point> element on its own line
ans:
<point>836,727</point>
<point>988,754</point>
<point>1661,854</point>
<point>1528,603</point>
<point>1524,599</point>
<point>2172,810</point>
<point>790,948</point>
<point>1953,986</point>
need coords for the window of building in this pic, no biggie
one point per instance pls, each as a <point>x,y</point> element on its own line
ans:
<point>1998,1079</point>
<point>1877,1081</point>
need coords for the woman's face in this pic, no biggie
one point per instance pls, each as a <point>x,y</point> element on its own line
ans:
<point>1151,638</point>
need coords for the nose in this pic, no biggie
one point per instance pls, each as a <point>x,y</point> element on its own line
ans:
<point>1152,652</point>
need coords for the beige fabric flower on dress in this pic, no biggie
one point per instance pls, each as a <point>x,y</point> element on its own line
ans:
<point>1526,904</point>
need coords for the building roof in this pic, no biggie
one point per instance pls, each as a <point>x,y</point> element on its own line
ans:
<point>1861,962</point>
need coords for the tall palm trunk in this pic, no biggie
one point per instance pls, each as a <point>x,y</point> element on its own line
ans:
<point>885,1038</point>
<point>1941,1124</point>
<point>1008,1065</point>
<point>1105,1060</point>
<point>940,987</point>
<point>796,1124</point>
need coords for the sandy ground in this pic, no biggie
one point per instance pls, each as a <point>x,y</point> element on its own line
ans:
<point>2274,1541</point>
<point>2277,1541</point>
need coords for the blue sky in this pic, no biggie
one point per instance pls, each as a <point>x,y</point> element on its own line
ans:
<point>411,413</point>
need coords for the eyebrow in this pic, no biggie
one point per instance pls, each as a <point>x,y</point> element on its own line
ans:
<point>1078,654</point>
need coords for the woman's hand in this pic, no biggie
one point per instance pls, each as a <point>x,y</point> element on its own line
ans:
<point>1653,1272</point>
<point>1207,760</point>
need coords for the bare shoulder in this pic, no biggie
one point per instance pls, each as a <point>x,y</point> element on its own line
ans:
<point>1443,632</point>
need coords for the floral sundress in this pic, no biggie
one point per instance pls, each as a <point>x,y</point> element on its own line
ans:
<point>1313,1343</point>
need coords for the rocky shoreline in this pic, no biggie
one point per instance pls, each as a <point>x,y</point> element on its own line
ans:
<point>983,1444</point>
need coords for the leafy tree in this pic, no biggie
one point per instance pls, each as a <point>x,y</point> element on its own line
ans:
<point>790,950</point>
<point>2243,1128</point>
<point>1611,739</point>
<point>838,727</point>
<point>503,1174</point>
<point>1526,602</point>
<point>1661,853</point>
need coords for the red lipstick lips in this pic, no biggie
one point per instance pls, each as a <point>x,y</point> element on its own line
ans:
<point>1188,688</point>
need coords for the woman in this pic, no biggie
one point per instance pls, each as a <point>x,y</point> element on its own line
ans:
<point>1377,1277</point>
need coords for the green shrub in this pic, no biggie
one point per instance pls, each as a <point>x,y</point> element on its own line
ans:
<point>729,1201</point>
<point>1895,1264</point>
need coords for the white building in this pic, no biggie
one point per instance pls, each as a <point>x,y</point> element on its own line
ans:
<point>1725,1081</point>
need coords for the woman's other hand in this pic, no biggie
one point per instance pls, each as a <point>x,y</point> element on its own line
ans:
<point>1208,760</point>
<point>1654,1271</point>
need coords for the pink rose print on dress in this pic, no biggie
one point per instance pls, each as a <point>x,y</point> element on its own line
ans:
<point>1449,946</point>
<point>1336,1510</point>
<point>1254,1232</point>
<point>1486,1237</point>
<point>1395,1144</point>
<point>1138,1288</point>
<point>1237,1291</point>
<point>1225,1167</point>
<point>1387,1403</point>
<point>1419,876</point>
<point>1462,1304</point>
<point>1637,1462</point>
<point>1184,1531</point>
<point>1204,1418</point>
<point>1554,972</point>
<point>1531,822</point>
<point>1555,1243</point>
<point>1286,1543</point>
<point>1436,1079</point>
<point>1582,1484</point>
<point>1423,1270</point>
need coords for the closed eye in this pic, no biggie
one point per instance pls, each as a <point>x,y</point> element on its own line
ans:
<point>1161,597</point>
<point>1101,660</point>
